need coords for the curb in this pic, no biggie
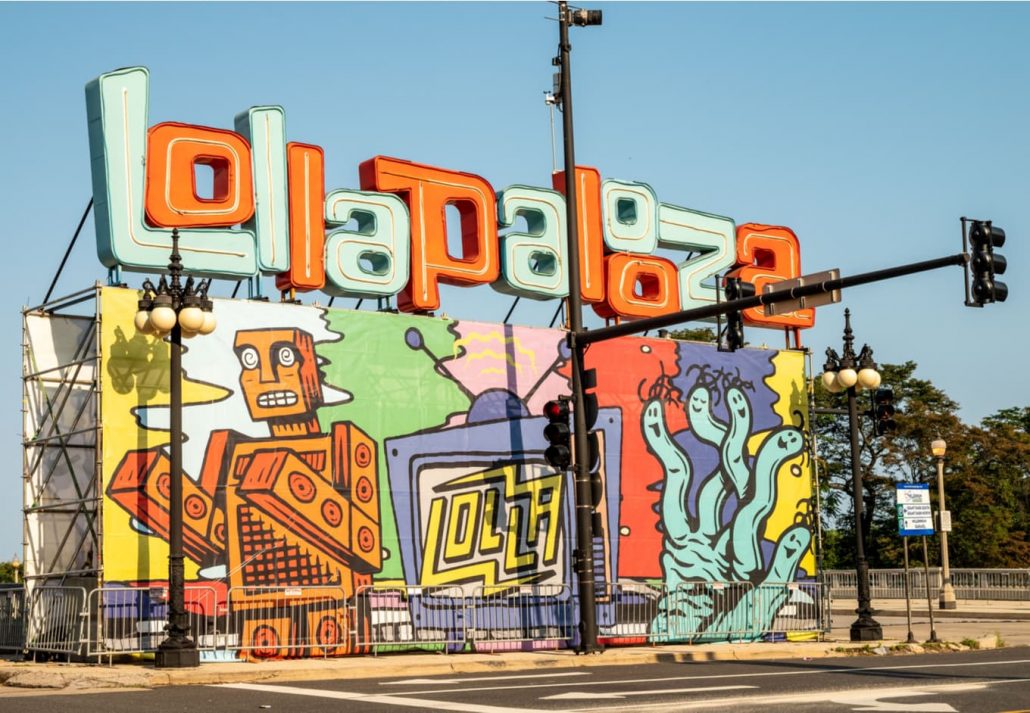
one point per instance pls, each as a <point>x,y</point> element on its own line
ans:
<point>72,677</point>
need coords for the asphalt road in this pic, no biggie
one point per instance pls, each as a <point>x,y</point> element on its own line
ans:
<point>974,682</point>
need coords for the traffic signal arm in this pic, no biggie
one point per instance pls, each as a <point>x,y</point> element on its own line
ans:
<point>713,310</point>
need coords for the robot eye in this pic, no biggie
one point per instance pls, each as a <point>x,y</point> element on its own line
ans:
<point>287,356</point>
<point>249,358</point>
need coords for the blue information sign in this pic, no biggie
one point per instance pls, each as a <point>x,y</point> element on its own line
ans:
<point>915,516</point>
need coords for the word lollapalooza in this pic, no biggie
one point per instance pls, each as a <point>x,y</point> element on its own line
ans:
<point>269,213</point>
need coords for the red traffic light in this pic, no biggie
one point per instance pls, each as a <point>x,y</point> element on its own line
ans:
<point>557,410</point>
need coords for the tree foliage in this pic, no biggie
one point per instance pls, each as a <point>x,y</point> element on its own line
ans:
<point>987,475</point>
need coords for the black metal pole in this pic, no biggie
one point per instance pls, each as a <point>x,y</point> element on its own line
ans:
<point>177,650</point>
<point>865,628</point>
<point>64,260</point>
<point>584,561</point>
<point>908,597</point>
<point>929,600</point>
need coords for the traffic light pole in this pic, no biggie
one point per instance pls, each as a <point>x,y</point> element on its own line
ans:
<point>639,326</point>
<point>583,555</point>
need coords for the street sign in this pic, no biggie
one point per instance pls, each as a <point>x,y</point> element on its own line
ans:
<point>915,516</point>
<point>815,278</point>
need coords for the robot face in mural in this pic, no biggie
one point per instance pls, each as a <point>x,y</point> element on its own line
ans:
<point>279,373</point>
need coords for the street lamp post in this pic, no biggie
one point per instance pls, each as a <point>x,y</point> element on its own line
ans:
<point>178,310</point>
<point>852,372</point>
<point>947,601</point>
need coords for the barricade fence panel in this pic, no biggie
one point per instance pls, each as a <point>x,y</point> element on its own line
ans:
<point>56,616</point>
<point>399,618</point>
<point>124,620</point>
<point>288,622</point>
<point>534,616</point>
<point>627,611</point>
<point>12,618</point>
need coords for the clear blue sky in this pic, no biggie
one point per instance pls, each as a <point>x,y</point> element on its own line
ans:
<point>867,128</point>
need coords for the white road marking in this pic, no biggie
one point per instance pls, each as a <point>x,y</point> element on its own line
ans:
<point>865,698</point>
<point>375,698</point>
<point>805,672</point>
<point>581,695</point>
<point>429,681</point>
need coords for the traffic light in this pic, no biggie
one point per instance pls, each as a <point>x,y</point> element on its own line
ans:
<point>736,289</point>
<point>883,411</point>
<point>985,264</point>
<point>558,434</point>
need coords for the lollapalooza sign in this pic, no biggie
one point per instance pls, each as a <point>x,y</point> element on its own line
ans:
<point>268,212</point>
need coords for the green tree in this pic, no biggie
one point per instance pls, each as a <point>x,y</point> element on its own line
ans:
<point>694,334</point>
<point>988,493</point>
<point>924,413</point>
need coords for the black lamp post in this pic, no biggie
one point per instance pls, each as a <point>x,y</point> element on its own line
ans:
<point>179,310</point>
<point>580,467</point>
<point>852,372</point>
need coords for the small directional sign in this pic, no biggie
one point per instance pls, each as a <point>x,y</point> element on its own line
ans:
<point>915,516</point>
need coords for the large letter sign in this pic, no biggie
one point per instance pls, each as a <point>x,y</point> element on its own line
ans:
<point>269,212</point>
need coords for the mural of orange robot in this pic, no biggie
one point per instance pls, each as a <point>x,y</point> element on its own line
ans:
<point>297,510</point>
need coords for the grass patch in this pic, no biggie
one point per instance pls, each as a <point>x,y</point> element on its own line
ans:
<point>970,643</point>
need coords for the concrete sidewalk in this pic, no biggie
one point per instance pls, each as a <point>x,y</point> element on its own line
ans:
<point>973,622</point>
<point>965,609</point>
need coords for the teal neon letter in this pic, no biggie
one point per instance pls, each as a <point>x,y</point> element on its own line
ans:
<point>630,217</point>
<point>373,260</point>
<point>116,105</point>
<point>713,236</point>
<point>533,262</point>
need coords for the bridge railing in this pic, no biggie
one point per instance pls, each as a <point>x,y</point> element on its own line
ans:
<point>975,584</point>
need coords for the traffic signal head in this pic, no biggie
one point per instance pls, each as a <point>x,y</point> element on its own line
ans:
<point>736,289</point>
<point>985,264</point>
<point>883,411</point>
<point>558,434</point>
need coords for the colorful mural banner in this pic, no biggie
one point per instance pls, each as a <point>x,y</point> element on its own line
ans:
<point>347,449</point>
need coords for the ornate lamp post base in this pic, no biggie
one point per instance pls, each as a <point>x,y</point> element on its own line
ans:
<point>185,656</point>
<point>866,628</point>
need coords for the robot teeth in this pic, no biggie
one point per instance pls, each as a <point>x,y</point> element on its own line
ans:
<point>277,398</point>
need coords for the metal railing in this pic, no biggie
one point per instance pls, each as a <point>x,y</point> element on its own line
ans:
<point>12,617</point>
<point>535,616</point>
<point>626,610</point>
<point>56,616</point>
<point>122,620</point>
<point>979,584</point>
<point>272,622</point>
<point>399,618</point>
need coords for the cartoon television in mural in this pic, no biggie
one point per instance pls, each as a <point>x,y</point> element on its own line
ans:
<point>424,513</point>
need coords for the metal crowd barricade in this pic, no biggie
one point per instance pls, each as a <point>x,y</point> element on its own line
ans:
<point>626,612</point>
<point>797,608</point>
<point>708,611</point>
<point>278,622</point>
<point>55,620</point>
<point>12,617</point>
<point>991,584</point>
<point>124,620</point>
<point>399,618</point>
<point>533,616</point>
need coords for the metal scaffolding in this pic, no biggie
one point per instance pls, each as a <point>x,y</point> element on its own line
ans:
<point>61,442</point>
